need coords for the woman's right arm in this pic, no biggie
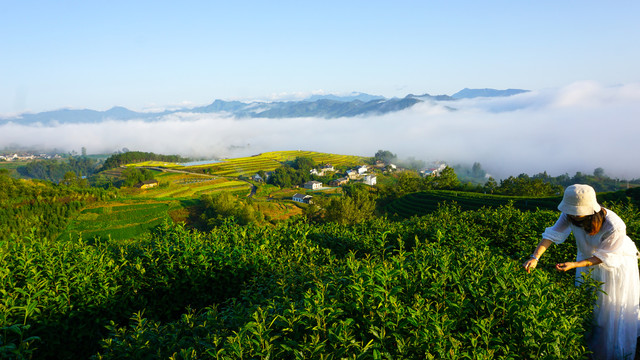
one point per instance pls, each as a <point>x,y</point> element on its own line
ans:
<point>533,261</point>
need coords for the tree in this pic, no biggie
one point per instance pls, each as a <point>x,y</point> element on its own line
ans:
<point>408,182</point>
<point>476,170</point>
<point>224,205</point>
<point>72,179</point>
<point>385,156</point>
<point>523,185</point>
<point>133,176</point>
<point>491,185</point>
<point>446,179</point>
<point>349,210</point>
<point>69,178</point>
<point>599,173</point>
<point>304,163</point>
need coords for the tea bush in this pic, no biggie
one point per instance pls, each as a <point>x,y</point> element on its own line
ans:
<point>448,285</point>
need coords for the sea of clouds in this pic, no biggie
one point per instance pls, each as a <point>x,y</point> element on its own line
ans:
<point>579,127</point>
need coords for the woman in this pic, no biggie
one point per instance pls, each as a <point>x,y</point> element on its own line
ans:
<point>604,248</point>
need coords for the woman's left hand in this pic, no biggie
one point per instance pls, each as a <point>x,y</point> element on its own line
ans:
<point>566,266</point>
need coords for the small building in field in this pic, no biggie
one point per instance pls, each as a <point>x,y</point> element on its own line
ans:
<point>312,185</point>
<point>147,184</point>
<point>302,198</point>
<point>338,182</point>
<point>352,174</point>
<point>259,178</point>
<point>327,167</point>
<point>362,169</point>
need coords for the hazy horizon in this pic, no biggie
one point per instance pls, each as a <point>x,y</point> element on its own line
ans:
<point>579,127</point>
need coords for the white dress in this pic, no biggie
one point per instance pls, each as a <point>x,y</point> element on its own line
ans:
<point>616,315</point>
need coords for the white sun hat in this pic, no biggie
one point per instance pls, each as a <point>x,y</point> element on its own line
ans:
<point>579,200</point>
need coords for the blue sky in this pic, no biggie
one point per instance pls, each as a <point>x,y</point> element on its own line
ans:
<point>153,54</point>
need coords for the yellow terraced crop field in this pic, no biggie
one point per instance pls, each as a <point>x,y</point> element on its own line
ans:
<point>270,161</point>
<point>248,166</point>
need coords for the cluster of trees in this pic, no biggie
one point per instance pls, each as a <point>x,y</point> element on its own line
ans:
<point>543,184</point>
<point>55,170</point>
<point>357,204</point>
<point>287,176</point>
<point>138,156</point>
<point>408,182</point>
<point>224,206</point>
<point>39,208</point>
<point>132,176</point>
<point>385,156</point>
<point>599,180</point>
<point>522,185</point>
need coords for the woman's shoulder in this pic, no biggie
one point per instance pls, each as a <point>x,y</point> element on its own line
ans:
<point>613,220</point>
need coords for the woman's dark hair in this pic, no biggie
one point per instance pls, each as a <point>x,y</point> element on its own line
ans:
<point>592,223</point>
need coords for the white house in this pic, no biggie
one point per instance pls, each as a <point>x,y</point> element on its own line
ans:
<point>302,198</point>
<point>362,169</point>
<point>370,179</point>
<point>327,167</point>
<point>351,174</point>
<point>312,185</point>
<point>433,171</point>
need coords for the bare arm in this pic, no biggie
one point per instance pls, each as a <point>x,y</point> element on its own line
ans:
<point>576,264</point>
<point>533,261</point>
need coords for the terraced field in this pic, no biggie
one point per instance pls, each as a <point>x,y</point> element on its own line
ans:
<point>248,166</point>
<point>270,161</point>
<point>118,220</point>
<point>181,187</point>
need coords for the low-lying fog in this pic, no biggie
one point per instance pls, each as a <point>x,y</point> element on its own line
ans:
<point>576,128</point>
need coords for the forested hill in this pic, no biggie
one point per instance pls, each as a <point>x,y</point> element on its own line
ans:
<point>132,157</point>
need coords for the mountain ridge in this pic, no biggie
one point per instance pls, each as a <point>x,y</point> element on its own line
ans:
<point>323,106</point>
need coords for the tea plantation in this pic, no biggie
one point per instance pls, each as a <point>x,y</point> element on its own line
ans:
<point>446,285</point>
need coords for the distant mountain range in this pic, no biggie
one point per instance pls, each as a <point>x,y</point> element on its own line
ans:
<point>474,93</point>
<point>324,106</point>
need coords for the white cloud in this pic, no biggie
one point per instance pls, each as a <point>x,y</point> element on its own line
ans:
<point>576,128</point>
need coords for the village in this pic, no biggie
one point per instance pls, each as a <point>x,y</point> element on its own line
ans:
<point>25,156</point>
<point>364,174</point>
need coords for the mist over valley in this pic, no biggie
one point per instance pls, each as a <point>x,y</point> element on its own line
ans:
<point>579,127</point>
